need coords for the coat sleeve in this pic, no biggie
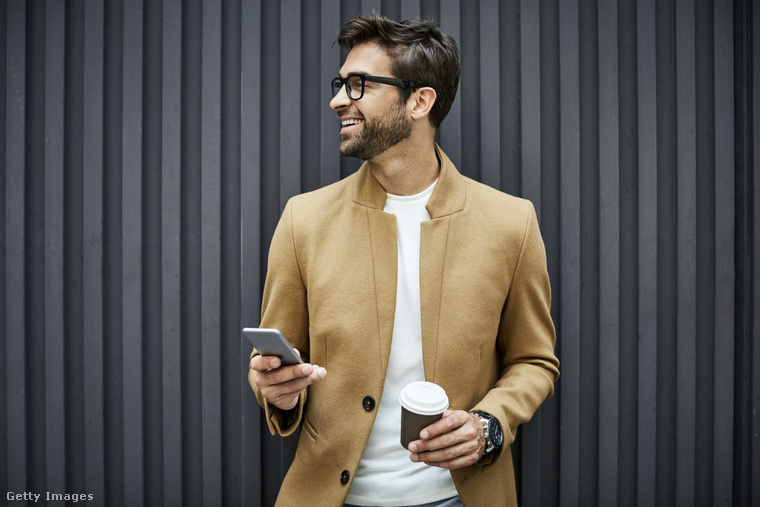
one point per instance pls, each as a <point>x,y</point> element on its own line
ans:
<point>526,340</point>
<point>284,307</point>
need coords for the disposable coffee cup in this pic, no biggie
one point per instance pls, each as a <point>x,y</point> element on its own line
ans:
<point>422,404</point>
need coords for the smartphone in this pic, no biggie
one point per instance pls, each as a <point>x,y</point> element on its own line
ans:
<point>270,342</point>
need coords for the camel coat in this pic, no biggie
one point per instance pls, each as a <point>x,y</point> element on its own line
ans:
<point>487,336</point>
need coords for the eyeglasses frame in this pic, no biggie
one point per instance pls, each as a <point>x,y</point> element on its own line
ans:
<point>393,81</point>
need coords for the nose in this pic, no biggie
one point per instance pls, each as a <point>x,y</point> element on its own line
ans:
<point>341,99</point>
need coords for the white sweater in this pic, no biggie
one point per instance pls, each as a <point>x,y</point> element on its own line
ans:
<point>386,476</point>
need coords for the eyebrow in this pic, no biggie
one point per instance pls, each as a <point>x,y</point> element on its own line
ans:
<point>354,72</point>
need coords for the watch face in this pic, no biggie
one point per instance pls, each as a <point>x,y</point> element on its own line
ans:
<point>494,433</point>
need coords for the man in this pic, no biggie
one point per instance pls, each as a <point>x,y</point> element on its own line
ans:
<point>404,271</point>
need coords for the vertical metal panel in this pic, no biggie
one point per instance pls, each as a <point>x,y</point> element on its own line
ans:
<point>54,248</point>
<point>93,250</point>
<point>5,463</point>
<point>170,220</point>
<point>667,199</point>
<point>704,465</point>
<point>3,273</point>
<point>148,149</point>
<point>567,298</point>
<point>191,248</point>
<point>725,244</point>
<point>751,487</point>
<point>34,242</point>
<point>210,227</point>
<point>469,88</point>
<point>113,370</point>
<point>314,99</point>
<point>609,253</point>
<point>451,21</point>
<point>686,248</point>
<point>509,95</point>
<point>588,450</point>
<point>290,99</point>
<point>151,251</point>
<point>72,332</point>
<point>530,104</point>
<point>490,105</point>
<point>131,236</point>
<point>329,158</point>
<point>628,251</point>
<point>14,199</point>
<point>647,251</point>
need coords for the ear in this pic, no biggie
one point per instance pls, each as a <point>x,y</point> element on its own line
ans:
<point>421,102</point>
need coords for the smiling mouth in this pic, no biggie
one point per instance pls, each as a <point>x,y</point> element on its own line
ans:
<point>349,122</point>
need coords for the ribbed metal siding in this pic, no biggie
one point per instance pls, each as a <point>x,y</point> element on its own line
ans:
<point>147,149</point>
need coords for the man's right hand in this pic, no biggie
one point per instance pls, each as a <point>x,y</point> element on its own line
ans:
<point>281,385</point>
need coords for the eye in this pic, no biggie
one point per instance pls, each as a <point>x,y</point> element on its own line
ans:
<point>355,82</point>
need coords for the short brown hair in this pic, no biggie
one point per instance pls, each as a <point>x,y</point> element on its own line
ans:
<point>419,51</point>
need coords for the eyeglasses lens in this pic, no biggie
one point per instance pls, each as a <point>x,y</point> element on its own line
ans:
<point>337,84</point>
<point>354,87</point>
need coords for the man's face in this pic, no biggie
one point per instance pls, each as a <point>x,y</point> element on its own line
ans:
<point>379,120</point>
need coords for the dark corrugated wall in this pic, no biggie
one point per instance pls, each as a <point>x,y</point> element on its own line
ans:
<point>148,147</point>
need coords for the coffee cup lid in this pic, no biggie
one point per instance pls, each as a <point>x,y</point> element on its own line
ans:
<point>424,398</point>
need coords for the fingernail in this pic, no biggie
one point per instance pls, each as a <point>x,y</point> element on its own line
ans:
<point>414,457</point>
<point>424,435</point>
<point>413,447</point>
<point>322,373</point>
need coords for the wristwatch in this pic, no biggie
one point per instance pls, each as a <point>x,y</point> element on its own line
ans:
<point>491,431</point>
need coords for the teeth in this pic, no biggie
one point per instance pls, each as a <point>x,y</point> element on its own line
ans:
<point>350,122</point>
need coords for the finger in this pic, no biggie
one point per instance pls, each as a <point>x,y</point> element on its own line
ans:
<point>456,456</point>
<point>443,441</point>
<point>451,420</point>
<point>290,387</point>
<point>291,379</point>
<point>264,363</point>
<point>460,462</point>
<point>318,374</point>
<point>286,374</point>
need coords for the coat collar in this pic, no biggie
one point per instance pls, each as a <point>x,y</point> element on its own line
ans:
<point>448,196</point>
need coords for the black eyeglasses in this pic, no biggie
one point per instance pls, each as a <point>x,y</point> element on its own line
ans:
<point>355,84</point>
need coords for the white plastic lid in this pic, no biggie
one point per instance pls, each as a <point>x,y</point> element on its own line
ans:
<point>424,398</point>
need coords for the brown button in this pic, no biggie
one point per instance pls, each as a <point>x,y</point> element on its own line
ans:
<point>344,476</point>
<point>368,403</point>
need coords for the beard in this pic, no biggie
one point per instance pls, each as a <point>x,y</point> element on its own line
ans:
<point>378,135</point>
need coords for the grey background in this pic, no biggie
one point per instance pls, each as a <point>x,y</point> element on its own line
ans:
<point>148,147</point>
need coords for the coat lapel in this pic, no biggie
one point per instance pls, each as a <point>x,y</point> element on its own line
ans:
<point>433,236</point>
<point>382,230</point>
<point>448,198</point>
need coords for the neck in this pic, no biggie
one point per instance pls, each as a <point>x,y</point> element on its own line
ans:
<point>407,169</point>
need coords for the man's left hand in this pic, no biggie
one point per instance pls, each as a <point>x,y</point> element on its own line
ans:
<point>455,441</point>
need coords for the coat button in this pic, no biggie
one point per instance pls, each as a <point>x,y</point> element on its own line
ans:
<point>344,475</point>
<point>369,403</point>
